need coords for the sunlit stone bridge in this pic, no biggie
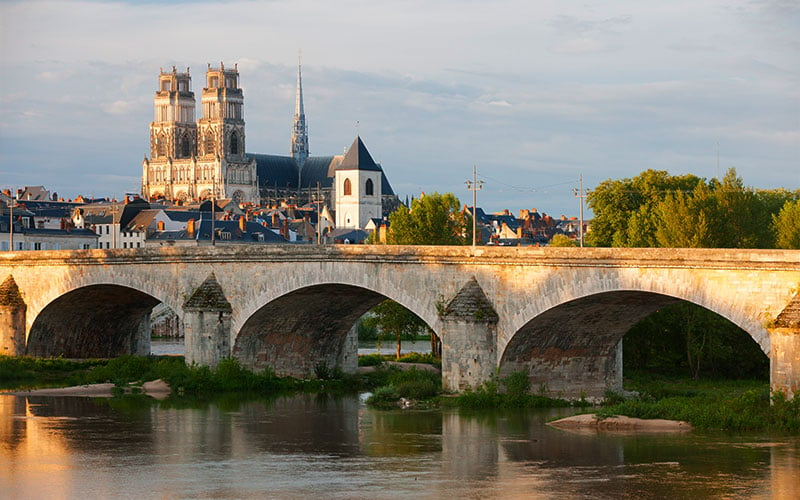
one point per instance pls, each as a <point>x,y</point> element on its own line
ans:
<point>557,313</point>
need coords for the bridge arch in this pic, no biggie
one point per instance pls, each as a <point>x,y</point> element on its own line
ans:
<point>94,321</point>
<point>570,341</point>
<point>308,326</point>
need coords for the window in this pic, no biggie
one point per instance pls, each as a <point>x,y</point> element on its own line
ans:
<point>234,146</point>
<point>369,188</point>
<point>183,86</point>
<point>86,246</point>
<point>161,145</point>
<point>138,244</point>
<point>125,244</point>
<point>186,147</point>
<point>108,245</point>
<point>348,187</point>
<point>209,147</point>
<point>37,245</point>
<point>165,85</point>
<point>213,82</point>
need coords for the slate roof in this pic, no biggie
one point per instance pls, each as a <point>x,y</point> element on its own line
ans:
<point>276,171</point>
<point>358,158</point>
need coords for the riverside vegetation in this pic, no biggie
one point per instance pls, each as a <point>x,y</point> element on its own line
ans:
<point>730,405</point>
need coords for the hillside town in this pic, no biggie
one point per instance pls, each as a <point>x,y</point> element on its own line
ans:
<point>200,187</point>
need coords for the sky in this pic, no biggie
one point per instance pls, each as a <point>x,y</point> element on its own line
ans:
<point>535,94</point>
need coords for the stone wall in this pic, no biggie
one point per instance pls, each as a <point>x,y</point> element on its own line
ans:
<point>560,312</point>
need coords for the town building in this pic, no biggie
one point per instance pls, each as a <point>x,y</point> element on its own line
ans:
<point>193,160</point>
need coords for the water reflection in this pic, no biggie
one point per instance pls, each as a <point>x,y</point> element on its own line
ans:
<point>337,448</point>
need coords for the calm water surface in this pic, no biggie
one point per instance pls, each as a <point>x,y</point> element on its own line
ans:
<point>314,446</point>
<point>175,347</point>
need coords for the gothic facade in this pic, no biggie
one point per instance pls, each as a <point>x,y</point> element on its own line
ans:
<point>192,159</point>
<point>195,160</point>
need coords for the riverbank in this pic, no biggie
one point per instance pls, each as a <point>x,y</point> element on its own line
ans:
<point>592,422</point>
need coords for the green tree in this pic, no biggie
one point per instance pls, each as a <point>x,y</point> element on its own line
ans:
<point>786,224</point>
<point>396,321</point>
<point>433,219</point>
<point>687,339</point>
<point>683,219</point>
<point>656,209</point>
<point>624,210</point>
<point>561,240</point>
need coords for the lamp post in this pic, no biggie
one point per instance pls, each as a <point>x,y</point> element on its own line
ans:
<point>213,203</point>
<point>11,220</point>
<point>474,185</point>
<point>580,193</point>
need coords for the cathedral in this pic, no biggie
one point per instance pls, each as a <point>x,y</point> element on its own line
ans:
<point>193,160</point>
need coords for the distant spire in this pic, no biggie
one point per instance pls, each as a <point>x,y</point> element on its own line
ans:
<point>299,131</point>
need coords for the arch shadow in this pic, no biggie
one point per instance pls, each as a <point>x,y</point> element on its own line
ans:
<point>94,321</point>
<point>574,349</point>
<point>302,329</point>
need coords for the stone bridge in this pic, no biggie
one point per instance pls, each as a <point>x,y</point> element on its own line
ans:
<point>557,313</point>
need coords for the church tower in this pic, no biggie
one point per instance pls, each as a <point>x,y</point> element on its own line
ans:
<point>221,140</point>
<point>173,133</point>
<point>299,131</point>
<point>358,188</point>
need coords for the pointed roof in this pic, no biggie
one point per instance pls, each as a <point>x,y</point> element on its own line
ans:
<point>9,293</point>
<point>298,105</point>
<point>358,158</point>
<point>471,304</point>
<point>208,296</point>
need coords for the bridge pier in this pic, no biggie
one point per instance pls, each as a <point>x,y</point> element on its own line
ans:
<point>784,356</point>
<point>469,334</point>
<point>12,319</point>
<point>784,361</point>
<point>207,324</point>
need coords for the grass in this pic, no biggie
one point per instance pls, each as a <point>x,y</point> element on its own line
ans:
<point>394,384</point>
<point>729,405</point>
<point>510,392</point>
<point>412,357</point>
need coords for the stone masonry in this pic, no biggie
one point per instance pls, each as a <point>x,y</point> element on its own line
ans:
<point>557,313</point>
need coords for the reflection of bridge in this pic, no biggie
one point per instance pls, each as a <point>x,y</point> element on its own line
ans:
<point>559,314</point>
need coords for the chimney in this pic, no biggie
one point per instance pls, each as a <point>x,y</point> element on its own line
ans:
<point>275,219</point>
<point>160,225</point>
<point>190,227</point>
<point>285,229</point>
<point>242,224</point>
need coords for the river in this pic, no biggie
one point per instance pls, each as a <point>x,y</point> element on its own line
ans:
<point>314,446</point>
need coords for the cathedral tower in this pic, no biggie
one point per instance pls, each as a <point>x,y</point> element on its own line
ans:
<point>173,135</point>
<point>173,132</point>
<point>221,139</point>
<point>299,131</point>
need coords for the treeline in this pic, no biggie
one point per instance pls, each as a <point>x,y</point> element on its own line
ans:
<point>655,209</point>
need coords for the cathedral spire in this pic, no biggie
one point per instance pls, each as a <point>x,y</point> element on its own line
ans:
<point>299,131</point>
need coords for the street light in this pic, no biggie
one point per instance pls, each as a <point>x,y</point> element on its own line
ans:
<point>474,185</point>
<point>580,193</point>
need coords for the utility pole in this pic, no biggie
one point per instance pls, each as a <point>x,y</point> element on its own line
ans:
<point>213,203</point>
<point>11,220</point>
<point>474,185</point>
<point>318,201</point>
<point>580,194</point>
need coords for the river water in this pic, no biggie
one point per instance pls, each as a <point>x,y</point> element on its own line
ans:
<point>311,446</point>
